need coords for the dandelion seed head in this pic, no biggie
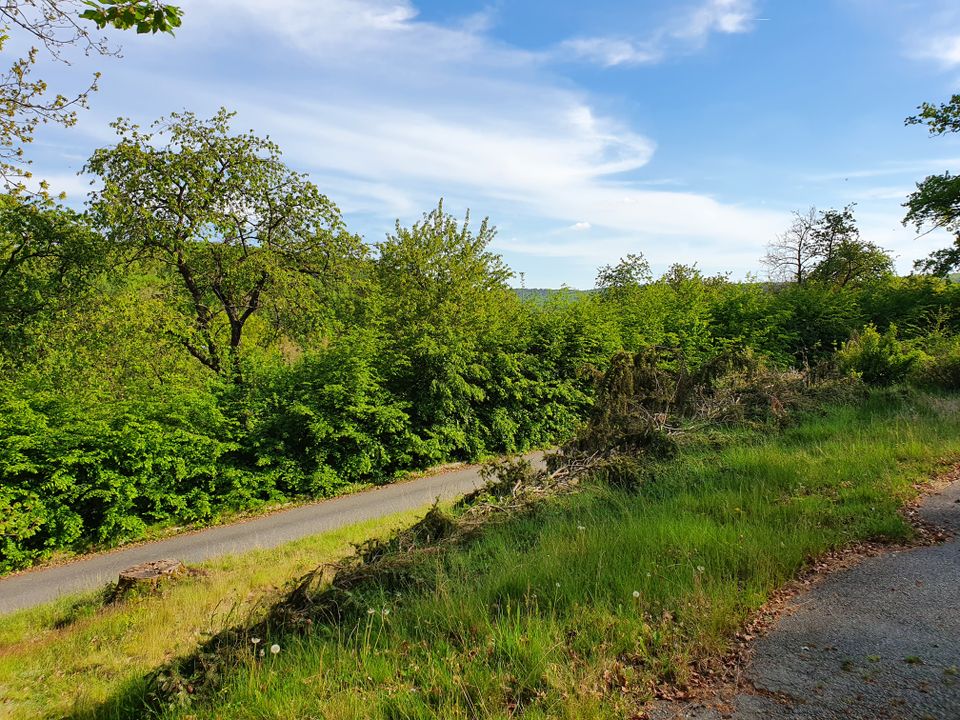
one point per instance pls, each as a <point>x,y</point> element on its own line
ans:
<point>636,593</point>
<point>274,649</point>
<point>255,641</point>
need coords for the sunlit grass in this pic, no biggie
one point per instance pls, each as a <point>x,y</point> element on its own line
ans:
<point>579,610</point>
<point>72,654</point>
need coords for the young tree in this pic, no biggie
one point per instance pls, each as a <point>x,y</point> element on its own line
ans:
<point>936,201</point>
<point>447,310</point>
<point>233,227</point>
<point>631,271</point>
<point>56,26</point>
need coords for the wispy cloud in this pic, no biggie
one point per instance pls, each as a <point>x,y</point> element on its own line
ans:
<point>388,112</point>
<point>689,30</point>
<point>943,49</point>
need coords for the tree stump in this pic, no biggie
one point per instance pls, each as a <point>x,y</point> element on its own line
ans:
<point>147,577</point>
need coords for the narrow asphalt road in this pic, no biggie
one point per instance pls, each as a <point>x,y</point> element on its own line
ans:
<point>44,584</point>
<point>880,641</point>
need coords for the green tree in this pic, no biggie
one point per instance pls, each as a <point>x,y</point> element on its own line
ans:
<point>631,271</point>
<point>842,256</point>
<point>447,309</point>
<point>55,26</point>
<point>936,201</point>
<point>48,256</point>
<point>231,227</point>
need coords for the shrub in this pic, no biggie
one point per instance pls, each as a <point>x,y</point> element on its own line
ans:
<point>940,369</point>
<point>877,359</point>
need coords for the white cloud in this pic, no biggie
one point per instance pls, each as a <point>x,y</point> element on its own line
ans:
<point>718,16</point>
<point>582,225</point>
<point>689,30</point>
<point>611,51</point>
<point>944,49</point>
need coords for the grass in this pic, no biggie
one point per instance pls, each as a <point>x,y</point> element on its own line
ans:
<point>580,609</point>
<point>71,655</point>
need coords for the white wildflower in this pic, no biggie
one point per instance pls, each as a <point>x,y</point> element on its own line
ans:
<point>255,641</point>
<point>636,594</point>
<point>274,649</point>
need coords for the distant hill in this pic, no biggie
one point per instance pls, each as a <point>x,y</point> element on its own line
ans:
<point>543,294</point>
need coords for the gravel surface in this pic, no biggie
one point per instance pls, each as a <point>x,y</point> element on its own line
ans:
<point>879,641</point>
<point>44,584</point>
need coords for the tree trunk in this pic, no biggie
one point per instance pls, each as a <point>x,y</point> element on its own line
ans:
<point>147,577</point>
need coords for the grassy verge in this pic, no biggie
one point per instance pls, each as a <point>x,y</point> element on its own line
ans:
<point>580,609</point>
<point>69,656</point>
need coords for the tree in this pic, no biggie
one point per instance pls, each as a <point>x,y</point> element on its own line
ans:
<point>790,256</point>
<point>447,312</point>
<point>229,224</point>
<point>842,256</point>
<point>48,255</point>
<point>631,271</point>
<point>825,247</point>
<point>56,26</point>
<point>936,201</point>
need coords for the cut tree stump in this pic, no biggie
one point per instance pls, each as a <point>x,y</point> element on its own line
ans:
<point>147,577</point>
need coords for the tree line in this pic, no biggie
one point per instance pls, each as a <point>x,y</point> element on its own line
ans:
<point>209,336</point>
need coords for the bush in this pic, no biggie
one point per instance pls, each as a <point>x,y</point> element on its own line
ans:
<point>940,369</point>
<point>77,474</point>
<point>877,359</point>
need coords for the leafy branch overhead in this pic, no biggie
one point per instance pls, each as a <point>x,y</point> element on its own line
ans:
<point>146,16</point>
<point>935,204</point>
<point>54,28</point>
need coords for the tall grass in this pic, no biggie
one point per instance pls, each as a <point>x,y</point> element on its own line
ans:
<point>580,609</point>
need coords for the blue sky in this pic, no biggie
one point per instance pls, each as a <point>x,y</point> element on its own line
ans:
<point>684,130</point>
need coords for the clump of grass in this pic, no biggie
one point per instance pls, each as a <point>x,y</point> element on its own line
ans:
<point>584,605</point>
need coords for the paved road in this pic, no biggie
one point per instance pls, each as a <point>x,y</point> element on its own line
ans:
<point>880,641</point>
<point>44,584</point>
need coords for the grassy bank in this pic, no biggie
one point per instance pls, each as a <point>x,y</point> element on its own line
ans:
<point>69,656</point>
<point>580,609</point>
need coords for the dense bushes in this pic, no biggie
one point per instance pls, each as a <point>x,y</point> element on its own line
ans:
<point>415,354</point>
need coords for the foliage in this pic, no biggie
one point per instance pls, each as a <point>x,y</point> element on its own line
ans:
<point>56,25</point>
<point>147,16</point>
<point>48,258</point>
<point>877,359</point>
<point>936,201</point>
<point>227,222</point>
